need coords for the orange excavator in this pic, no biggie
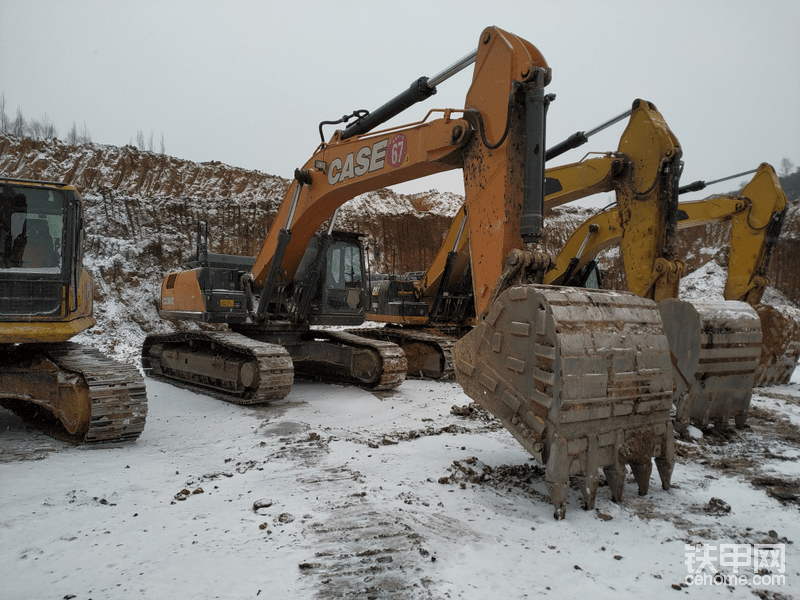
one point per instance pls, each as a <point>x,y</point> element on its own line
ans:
<point>584,377</point>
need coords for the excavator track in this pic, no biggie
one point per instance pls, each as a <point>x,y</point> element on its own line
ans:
<point>114,394</point>
<point>222,364</point>
<point>429,353</point>
<point>380,365</point>
<point>582,379</point>
<point>715,349</point>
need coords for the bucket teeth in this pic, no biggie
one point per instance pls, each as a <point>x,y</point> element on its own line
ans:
<point>615,476</point>
<point>582,379</point>
<point>665,462</point>
<point>556,476</point>
<point>641,472</point>
<point>589,482</point>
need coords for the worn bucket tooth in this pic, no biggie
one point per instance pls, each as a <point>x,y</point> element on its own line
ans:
<point>615,475</point>
<point>557,476</point>
<point>665,461</point>
<point>641,472</point>
<point>589,481</point>
<point>665,467</point>
<point>588,485</point>
<point>715,349</point>
<point>683,411</point>
<point>581,378</point>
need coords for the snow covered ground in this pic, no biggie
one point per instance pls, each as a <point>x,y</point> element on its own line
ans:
<point>337,492</point>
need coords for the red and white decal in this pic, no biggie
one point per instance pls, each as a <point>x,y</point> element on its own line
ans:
<point>398,148</point>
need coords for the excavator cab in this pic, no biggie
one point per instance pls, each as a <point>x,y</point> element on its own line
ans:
<point>40,257</point>
<point>588,277</point>
<point>329,287</point>
<point>340,297</point>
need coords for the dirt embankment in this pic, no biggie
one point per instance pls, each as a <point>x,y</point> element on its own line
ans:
<point>142,210</point>
<point>156,200</point>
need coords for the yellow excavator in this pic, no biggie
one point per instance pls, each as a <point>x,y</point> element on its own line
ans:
<point>596,363</point>
<point>716,346</point>
<point>71,391</point>
<point>756,217</point>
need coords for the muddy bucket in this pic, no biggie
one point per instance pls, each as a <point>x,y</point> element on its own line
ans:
<point>715,349</point>
<point>780,344</point>
<point>581,378</point>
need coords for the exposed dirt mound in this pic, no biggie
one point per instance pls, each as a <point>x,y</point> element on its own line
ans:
<point>142,210</point>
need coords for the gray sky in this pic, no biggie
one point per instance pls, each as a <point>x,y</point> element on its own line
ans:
<point>247,83</point>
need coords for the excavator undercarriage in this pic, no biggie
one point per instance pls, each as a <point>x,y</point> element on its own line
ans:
<point>73,393</point>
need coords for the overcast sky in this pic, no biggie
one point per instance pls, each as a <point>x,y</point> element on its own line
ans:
<point>247,83</point>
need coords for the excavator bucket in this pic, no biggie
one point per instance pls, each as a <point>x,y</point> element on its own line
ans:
<point>715,349</point>
<point>780,344</point>
<point>583,381</point>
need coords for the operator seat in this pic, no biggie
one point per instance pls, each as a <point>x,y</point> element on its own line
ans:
<point>39,251</point>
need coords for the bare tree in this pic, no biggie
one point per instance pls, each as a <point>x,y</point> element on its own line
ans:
<point>72,135</point>
<point>787,167</point>
<point>34,129</point>
<point>140,140</point>
<point>85,137</point>
<point>49,130</point>
<point>18,126</point>
<point>5,123</point>
<point>163,147</point>
<point>150,146</point>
